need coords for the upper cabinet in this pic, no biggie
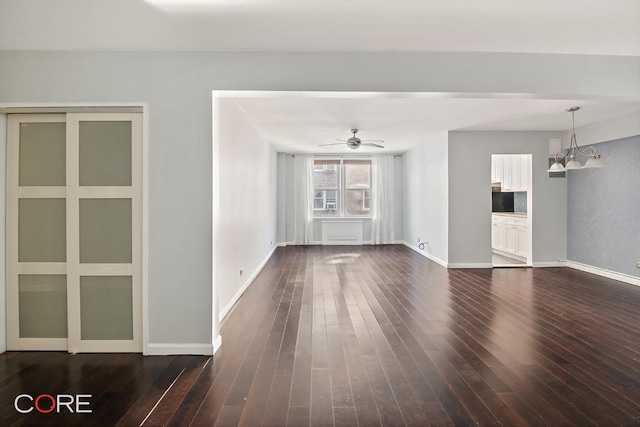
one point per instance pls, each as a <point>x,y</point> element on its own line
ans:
<point>524,172</point>
<point>512,170</point>
<point>497,168</point>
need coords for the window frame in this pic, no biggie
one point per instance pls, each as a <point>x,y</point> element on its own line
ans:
<point>325,199</point>
<point>342,189</point>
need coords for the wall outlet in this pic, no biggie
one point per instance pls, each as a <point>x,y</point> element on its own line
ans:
<point>241,271</point>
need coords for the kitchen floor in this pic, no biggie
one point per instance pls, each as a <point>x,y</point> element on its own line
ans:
<point>499,260</point>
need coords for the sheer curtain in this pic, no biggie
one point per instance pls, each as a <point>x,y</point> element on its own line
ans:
<point>382,200</point>
<point>302,199</point>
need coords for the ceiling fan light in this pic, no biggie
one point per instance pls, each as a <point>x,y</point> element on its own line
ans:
<point>593,163</point>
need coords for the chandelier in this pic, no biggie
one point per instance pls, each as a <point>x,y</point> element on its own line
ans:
<point>574,151</point>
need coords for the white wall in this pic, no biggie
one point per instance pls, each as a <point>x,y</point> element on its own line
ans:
<point>398,197</point>
<point>605,130</point>
<point>426,201</point>
<point>177,87</point>
<point>470,196</point>
<point>283,190</point>
<point>248,202</point>
<point>285,163</point>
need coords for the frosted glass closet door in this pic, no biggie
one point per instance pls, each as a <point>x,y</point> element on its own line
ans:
<point>74,232</point>
<point>36,233</point>
<point>104,247</point>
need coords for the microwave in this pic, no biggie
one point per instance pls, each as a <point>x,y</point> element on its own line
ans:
<point>501,202</point>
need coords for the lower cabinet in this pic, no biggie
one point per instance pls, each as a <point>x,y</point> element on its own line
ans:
<point>522,247</point>
<point>510,235</point>
<point>498,236</point>
<point>512,239</point>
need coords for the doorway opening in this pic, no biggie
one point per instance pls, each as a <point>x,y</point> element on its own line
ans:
<point>511,208</point>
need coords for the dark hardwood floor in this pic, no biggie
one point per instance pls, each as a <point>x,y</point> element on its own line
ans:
<point>374,335</point>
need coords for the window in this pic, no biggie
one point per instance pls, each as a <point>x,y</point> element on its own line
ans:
<point>326,185</point>
<point>325,200</point>
<point>357,193</point>
<point>341,188</point>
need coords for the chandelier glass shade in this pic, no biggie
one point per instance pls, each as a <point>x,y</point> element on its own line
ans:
<point>574,151</point>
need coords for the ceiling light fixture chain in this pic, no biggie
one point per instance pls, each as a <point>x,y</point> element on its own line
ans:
<point>574,151</point>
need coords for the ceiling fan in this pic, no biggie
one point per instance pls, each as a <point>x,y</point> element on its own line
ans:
<point>355,142</point>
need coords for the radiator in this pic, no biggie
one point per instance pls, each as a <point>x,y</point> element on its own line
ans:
<point>341,232</point>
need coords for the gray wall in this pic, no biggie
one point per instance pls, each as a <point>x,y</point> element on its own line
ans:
<point>177,87</point>
<point>604,209</point>
<point>470,195</point>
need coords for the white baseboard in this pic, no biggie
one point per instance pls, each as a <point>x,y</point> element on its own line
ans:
<point>366,242</point>
<point>427,255</point>
<point>632,280</point>
<point>244,287</point>
<point>217,343</point>
<point>315,242</point>
<point>204,349</point>
<point>471,265</point>
<point>550,264</point>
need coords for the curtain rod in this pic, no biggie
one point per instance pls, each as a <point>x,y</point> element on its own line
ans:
<point>342,155</point>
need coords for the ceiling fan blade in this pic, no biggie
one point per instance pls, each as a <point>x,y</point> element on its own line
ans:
<point>371,144</point>
<point>343,140</point>
<point>333,143</point>
<point>373,140</point>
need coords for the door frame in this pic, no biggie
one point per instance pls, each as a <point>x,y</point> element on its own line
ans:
<point>76,107</point>
<point>529,260</point>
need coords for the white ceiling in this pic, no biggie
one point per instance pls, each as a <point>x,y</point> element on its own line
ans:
<point>300,124</point>
<point>591,27</point>
<point>604,27</point>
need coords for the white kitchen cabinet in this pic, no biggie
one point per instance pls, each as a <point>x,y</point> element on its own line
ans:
<point>512,170</point>
<point>502,237</point>
<point>522,242</point>
<point>507,178</point>
<point>493,168</point>
<point>516,185</point>
<point>511,239</point>
<point>494,235</point>
<point>498,229</point>
<point>497,168</point>
<point>520,172</point>
<point>524,172</point>
<point>510,235</point>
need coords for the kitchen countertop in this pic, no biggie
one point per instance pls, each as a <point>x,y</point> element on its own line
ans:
<point>512,214</point>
